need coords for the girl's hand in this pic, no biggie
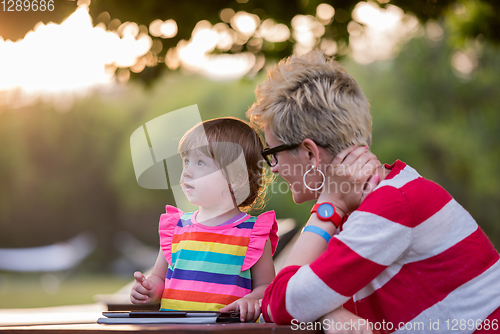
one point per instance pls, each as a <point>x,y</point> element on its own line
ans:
<point>143,290</point>
<point>249,309</point>
<point>349,178</point>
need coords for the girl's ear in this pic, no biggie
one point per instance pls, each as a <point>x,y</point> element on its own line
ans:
<point>312,152</point>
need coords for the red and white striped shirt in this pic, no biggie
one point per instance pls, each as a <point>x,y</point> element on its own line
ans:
<point>409,254</point>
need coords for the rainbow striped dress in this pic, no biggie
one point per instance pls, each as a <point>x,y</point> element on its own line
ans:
<point>209,266</point>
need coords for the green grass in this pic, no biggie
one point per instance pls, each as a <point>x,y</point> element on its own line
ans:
<point>44,290</point>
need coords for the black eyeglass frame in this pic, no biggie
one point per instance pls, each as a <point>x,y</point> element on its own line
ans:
<point>273,150</point>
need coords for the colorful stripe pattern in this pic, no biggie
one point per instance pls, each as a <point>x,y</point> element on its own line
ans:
<point>205,274</point>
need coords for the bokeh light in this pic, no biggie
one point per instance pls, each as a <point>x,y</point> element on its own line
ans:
<point>75,56</point>
<point>434,31</point>
<point>245,23</point>
<point>168,29</point>
<point>69,57</point>
<point>376,33</point>
<point>194,55</point>
<point>159,28</point>
<point>325,13</point>
<point>306,32</point>
<point>273,32</point>
<point>227,14</point>
<point>464,62</point>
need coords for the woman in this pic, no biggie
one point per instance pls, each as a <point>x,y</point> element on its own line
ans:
<point>408,259</point>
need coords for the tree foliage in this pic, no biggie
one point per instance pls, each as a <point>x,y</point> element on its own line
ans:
<point>467,19</point>
<point>62,174</point>
<point>479,18</point>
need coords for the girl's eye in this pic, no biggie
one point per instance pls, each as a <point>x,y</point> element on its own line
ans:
<point>186,162</point>
<point>200,163</point>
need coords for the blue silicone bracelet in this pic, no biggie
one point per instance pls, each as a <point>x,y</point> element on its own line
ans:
<point>319,231</point>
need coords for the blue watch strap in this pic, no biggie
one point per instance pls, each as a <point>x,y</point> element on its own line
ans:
<point>319,231</point>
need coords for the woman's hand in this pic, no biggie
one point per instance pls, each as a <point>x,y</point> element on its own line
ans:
<point>146,290</point>
<point>249,308</point>
<point>341,321</point>
<point>348,178</point>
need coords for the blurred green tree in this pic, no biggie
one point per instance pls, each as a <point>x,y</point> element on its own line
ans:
<point>62,173</point>
<point>468,19</point>
<point>445,124</point>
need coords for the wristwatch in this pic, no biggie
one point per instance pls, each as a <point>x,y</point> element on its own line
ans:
<point>326,212</point>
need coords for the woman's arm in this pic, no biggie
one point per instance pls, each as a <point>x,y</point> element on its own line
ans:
<point>352,167</point>
<point>309,246</point>
<point>349,323</point>
<point>311,291</point>
<point>262,275</point>
<point>373,238</point>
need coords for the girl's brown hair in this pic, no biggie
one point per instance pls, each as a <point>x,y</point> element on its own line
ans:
<point>222,134</point>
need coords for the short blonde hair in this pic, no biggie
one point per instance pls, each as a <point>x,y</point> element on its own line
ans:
<point>312,97</point>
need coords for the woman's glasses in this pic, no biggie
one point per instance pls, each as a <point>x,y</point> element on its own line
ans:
<point>269,154</point>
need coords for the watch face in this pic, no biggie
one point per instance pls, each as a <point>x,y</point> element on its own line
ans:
<point>326,210</point>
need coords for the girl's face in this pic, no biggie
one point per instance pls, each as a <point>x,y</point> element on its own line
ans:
<point>202,182</point>
<point>291,168</point>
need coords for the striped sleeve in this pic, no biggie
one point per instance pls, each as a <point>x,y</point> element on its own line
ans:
<point>273,297</point>
<point>368,244</point>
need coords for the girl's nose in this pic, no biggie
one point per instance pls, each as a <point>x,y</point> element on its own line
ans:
<point>186,172</point>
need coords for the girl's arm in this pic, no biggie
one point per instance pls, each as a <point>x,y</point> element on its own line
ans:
<point>149,290</point>
<point>262,275</point>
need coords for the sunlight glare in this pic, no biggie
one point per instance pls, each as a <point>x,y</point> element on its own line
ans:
<point>434,31</point>
<point>155,28</point>
<point>376,32</point>
<point>370,14</point>
<point>328,46</point>
<point>128,29</point>
<point>465,62</point>
<point>325,13</point>
<point>306,32</point>
<point>69,57</point>
<point>226,15</point>
<point>228,66</point>
<point>225,38</point>
<point>194,55</point>
<point>245,23</point>
<point>168,29</point>
<point>273,32</point>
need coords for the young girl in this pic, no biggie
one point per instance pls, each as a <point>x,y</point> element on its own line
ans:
<point>217,258</point>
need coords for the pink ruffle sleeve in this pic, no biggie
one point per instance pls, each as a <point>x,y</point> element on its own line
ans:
<point>167,224</point>
<point>265,228</point>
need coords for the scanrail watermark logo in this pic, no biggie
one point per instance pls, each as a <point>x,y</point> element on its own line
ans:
<point>449,325</point>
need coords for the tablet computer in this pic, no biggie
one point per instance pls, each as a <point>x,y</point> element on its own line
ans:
<point>200,317</point>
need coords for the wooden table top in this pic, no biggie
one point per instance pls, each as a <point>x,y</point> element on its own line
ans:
<point>247,328</point>
<point>82,319</point>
